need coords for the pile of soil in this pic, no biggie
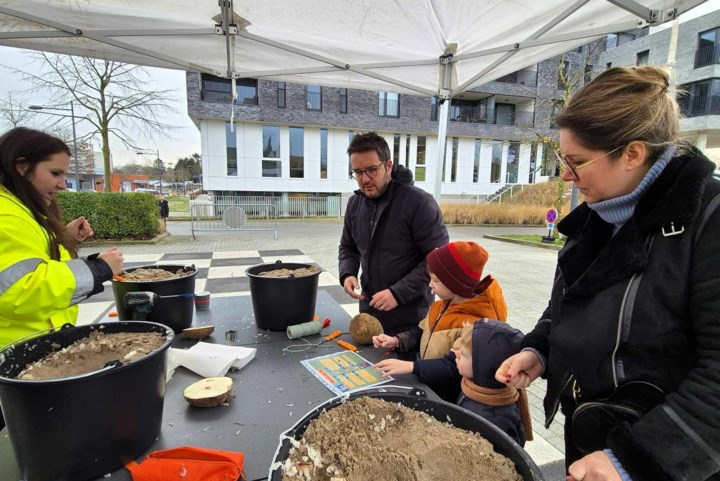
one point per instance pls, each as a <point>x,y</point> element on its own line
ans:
<point>369,438</point>
<point>92,353</point>
<point>149,274</point>
<point>302,271</point>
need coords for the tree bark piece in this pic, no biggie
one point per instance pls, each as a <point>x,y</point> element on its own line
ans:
<point>200,332</point>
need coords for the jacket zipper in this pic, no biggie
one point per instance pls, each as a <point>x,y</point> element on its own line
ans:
<point>556,402</point>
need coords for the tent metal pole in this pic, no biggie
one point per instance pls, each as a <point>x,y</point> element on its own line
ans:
<point>647,14</point>
<point>444,98</point>
<point>443,114</point>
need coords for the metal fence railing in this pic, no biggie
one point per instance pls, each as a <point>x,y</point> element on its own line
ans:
<point>285,207</point>
<point>210,216</point>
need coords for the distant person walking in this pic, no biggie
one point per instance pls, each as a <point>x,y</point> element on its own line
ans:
<point>164,209</point>
<point>390,227</point>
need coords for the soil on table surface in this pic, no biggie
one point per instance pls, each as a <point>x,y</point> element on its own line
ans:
<point>370,438</point>
<point>92,353</point>
<point>299,272</point>
<point>150,274</point>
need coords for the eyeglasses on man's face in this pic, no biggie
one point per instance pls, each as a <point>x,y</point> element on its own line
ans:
<point>371,171</point>
<point>574,168</point>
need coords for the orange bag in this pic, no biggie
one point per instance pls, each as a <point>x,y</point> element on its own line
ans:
<point>189,464</point>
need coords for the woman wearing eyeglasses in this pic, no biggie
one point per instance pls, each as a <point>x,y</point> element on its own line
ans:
<point>630,341</point>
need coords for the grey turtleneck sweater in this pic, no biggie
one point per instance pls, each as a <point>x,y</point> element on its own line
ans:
<point>618,210</point>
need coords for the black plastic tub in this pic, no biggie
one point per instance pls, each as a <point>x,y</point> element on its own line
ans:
<point>279,302</point>
<point>82,427</point>
<point>175,312</point>
<point>416,399</point>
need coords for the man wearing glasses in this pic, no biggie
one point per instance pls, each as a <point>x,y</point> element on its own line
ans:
<point>390,226</point>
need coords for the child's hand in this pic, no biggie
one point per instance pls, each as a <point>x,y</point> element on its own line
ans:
<point>384,341</point>
<point>391,367</point>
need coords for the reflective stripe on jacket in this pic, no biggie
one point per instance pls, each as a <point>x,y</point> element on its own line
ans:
<point>36,293</point>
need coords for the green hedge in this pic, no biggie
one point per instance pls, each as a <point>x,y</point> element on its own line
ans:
<point>113,215</point>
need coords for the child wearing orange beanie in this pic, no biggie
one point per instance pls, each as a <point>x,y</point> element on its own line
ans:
<point>456,277</point>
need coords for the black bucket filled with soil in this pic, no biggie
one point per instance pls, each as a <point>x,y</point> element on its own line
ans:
<point>84,426</point>
<point>283,294</point>
<point>395,420</point>
<point>173,304</point>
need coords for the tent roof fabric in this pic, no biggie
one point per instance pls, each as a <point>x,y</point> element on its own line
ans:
<point>364,44</point>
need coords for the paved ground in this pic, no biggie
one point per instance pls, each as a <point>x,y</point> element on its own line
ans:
<point>525,274</point>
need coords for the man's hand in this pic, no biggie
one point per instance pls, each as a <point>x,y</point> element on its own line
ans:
<point>383,301</point>
<point>391,367</point>
<point>79,229</point>
<point>351,285</point>
<point>593,467</point>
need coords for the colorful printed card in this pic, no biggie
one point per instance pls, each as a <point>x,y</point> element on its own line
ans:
<point>345,372</point>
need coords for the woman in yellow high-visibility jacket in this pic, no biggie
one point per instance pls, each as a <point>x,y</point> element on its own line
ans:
<point>41,278</point>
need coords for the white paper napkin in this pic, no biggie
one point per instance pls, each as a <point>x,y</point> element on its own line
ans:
<point>209,360</point>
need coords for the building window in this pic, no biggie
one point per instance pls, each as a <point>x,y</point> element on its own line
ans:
<point>297,152</point>
<point>407,150</point>
<point>389,104</point>
<point>454,159</point>
<point>313,97</point>
<point>271,163</point>
<point>420,161</point>
<point>281,95</point>
<point>578,49</point>
<point>350,138</point>
<point>563,69</point>
<point>504,114</point>
<point>608,65</point>
<point>495,166</point>
<point>708,52</point>
<point>396,149</point>
<point>616,39</point>
<point>555,109</point>
<point>216,89</point>
<point>643,58</point>
<point>476,161</point>
<point>513,156</point>
<point>343,101</point>
<point>231,149</point>
<point>323,153</point>
<point>433,109</point>
<point>701,98</point>
<point>587,77</point>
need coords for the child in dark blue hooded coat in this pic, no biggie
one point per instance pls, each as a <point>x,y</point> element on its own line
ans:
<point>483,349</point>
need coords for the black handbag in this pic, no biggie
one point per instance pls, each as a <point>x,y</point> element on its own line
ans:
<point>592,421</point>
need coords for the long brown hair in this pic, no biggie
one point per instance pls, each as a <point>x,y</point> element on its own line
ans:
<point>23,145</point>
<point>623,104</point>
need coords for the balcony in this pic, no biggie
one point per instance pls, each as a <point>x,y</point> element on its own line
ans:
<point>708,55</point>
<point>699,105</point>
<point>527,78</point>
<point>479,115</point>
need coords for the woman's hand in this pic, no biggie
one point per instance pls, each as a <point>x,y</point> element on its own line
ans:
<point>391,367</point>
<point>79,229</point>
<point>384,341</point>
<point>114,258</point>
<point>593,467</point>
<point>520,370</point>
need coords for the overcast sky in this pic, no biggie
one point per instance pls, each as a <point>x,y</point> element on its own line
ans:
<point>183,142</point>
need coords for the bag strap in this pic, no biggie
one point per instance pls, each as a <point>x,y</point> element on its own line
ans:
<point>712,189</point>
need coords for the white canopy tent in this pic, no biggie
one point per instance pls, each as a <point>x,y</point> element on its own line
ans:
<point>432,47</point>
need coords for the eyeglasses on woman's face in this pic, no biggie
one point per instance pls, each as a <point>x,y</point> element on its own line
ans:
<point>371,171</point>
<point>577,166</point>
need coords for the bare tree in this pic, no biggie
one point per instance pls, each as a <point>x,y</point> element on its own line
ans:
<point>110,96</point>
<point>12,111</point>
